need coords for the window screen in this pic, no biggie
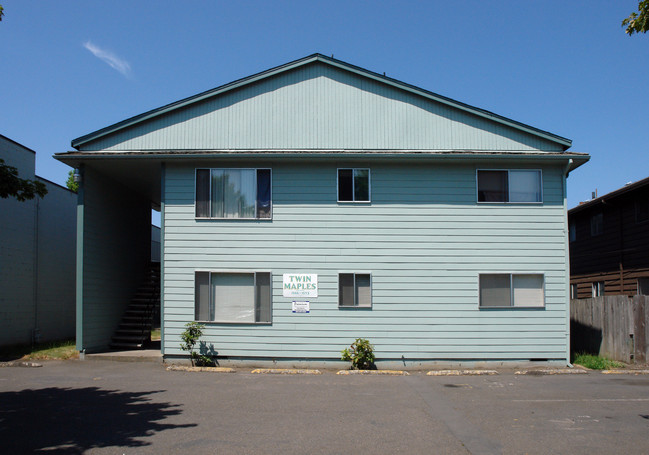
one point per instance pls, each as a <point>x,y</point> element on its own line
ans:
<point>233,193</point>
<point>233,297</point>
<point>500,290</point>
<point>354,290</point>
<point>517,185</point>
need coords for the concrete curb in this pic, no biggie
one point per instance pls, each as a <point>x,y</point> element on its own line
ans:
<point>461,372</point>
<point>201,369</point>
<point>20,364</point>
<point>551,371</point>
<point>620,371</point>
<point>376,372</point>
<point>284,371</point>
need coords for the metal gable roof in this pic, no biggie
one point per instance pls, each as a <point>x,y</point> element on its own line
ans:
<point>76,143</point>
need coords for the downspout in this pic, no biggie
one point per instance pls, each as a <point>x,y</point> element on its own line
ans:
<point>566,172</point>
<point>162,257</point>
<point>79,285</point>
<point>36,336</point>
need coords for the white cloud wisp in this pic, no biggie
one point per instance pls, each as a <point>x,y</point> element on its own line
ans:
<point>111,59</point>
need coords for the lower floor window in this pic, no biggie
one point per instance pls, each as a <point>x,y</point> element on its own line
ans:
<point>243,297</point>
<point>502,290</point>
<point>354,290</point>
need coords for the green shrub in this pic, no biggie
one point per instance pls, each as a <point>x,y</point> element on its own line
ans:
<point>193,331</point>
<point>595,362</point>
<point>360,353</point>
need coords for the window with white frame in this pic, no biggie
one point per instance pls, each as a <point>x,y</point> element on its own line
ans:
<point>513,185</point>
<point>506,290</point>
<point>354,290</point>
<point>239,297</point>
<point>233,193</point>
<point>597,224</point>
<point>598,289</point>
<point>353,185</point>
<point>573,291</point>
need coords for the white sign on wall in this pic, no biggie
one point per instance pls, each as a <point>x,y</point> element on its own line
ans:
<point>301,307</point>
<point>300,285</point>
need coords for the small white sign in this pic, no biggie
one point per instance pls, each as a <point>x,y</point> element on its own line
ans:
<point>301,307</point>
<point>300,285</point>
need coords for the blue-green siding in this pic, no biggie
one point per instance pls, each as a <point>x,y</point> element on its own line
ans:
<point>321,107</point>
<point>424,239</point>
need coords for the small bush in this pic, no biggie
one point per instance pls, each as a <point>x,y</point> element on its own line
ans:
<point>360,353</point>
<point>595,362</point>
<point>193,331</point>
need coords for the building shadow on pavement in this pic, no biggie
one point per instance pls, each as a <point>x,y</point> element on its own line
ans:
<point>71,421</point>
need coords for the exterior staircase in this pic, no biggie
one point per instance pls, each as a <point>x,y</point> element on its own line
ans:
<point>134,330</point>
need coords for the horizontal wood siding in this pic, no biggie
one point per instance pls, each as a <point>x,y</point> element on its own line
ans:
<point>423,238</point>
<point>320,107</point>
<point>116,251</point>
<point>620,254</point>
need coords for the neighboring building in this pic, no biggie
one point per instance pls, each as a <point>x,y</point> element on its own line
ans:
<point>37,258</point>
<point>609,243</point>
<point>317,202</point>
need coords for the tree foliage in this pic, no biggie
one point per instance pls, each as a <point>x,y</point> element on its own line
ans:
<point>638,22</point>
<point>2,13</point>
<point>71,184</point>
<point>13,186</point>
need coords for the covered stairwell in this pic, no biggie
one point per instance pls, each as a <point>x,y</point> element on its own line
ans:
<point>134,330</point>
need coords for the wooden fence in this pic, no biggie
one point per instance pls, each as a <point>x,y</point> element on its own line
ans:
<point>614,326</point>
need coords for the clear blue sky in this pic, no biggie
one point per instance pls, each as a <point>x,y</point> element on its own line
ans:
<point>68,68</point>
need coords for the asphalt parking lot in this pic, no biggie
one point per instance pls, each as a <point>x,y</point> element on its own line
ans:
<point>105,407</point>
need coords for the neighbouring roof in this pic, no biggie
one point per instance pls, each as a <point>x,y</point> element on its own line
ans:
<point>17,143</point>
<point>76,143</point>
<point>612,195</point>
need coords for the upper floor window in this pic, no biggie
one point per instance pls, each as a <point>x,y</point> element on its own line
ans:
<point>520,185</point>
<point>643,286</point>
<point>597,224</point>
<point>233,193</point>
<point>353,185</point>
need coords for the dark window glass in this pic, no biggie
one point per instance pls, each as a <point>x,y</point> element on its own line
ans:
<point>361,184</point>
<point>202,309</point>
<point>642,210</point>
<point>597,224</point>
<point>345,185</point>
<point>492,186</point>
<point>346,289</point>
<point>263,193</point>
<point>202,193</point>
<point>495,290</point>
<point>262,297</point>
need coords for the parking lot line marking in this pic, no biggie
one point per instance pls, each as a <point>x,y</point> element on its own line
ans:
<point>577,400</point>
